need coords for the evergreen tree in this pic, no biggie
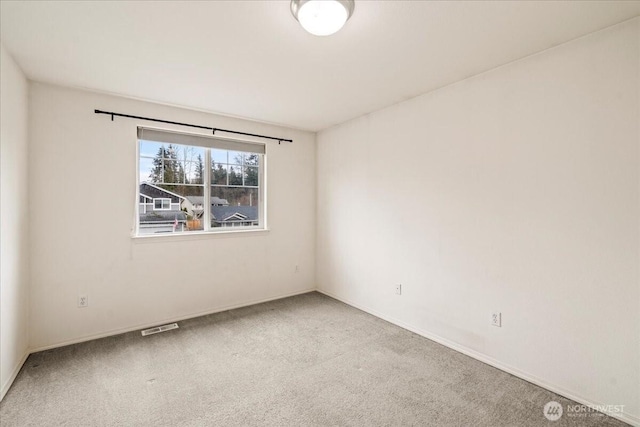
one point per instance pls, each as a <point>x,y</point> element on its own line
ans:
<point>251,159</point>
<point>157,174</point>
<point>166,168</point>
<point>249,162</point>
<point>218,174</point>
<point>235,178</point>
<point>199,174</point>
<point>251,169</point>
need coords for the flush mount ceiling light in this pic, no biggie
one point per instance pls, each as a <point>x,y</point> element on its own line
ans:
<point>322,17</point>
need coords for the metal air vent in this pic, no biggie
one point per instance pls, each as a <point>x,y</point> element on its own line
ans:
<point>159,329</point>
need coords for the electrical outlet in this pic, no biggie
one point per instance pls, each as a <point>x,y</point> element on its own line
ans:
<point>398,289</point>
<point>83,301</point>
<point>496,319</point>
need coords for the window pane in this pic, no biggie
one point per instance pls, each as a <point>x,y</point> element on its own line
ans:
<point>218,156</point>
<point>170,152</point>
<point>172,172</point>
<point>238,207</point>
<point>190,163</point>
<point>158,171</point>
<point>146,169</point>
<point>251,176</point>
<point>235,175</point>
<point>149,149</point>
<point>165,185</point>
<point>194,172</point>
<point>219,174</point>
<point>236,157</point>
<point>236,196</point>
<point>193,206</point>
<point>251,159</point>
<point>187,153</point>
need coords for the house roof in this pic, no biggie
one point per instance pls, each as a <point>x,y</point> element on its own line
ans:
<point>226,213</point>
<point>199,200</point>
<point>196,200</point>
<point>149,186</point>
<point>219,201</point>
<point>162,217</point>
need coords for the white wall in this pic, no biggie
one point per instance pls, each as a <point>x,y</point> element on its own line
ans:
<point>83,183</point>
<point>14,210</point>
<point>516,190</point>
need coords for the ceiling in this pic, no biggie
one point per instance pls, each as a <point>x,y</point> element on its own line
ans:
<point>252,59</point>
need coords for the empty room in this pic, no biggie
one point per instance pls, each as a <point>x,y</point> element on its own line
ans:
<point>320,213</point>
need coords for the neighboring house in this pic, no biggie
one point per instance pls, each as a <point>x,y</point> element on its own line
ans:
<point>234,216</point>
<point>160,210</point>
<point>198,201</point>
<point>162,222</point>
<point>217,201</point>
<point>194,205</point>
<point>154,198</point>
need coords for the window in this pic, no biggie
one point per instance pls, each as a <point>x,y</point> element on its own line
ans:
<point>189,182</point>
<point>161,204</point>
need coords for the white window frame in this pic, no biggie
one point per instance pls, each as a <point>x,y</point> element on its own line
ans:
<point>207,228</point>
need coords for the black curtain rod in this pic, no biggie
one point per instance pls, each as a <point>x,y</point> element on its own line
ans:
<point>112,114</point>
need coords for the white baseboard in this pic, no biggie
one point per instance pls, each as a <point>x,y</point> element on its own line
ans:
<point>627,418</point>
<point>163,321</point>
<point>7,385</point>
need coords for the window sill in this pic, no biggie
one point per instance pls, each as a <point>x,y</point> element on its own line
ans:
<point>173,237</point>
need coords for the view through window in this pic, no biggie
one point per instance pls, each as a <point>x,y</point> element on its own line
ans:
<point>216,185</point>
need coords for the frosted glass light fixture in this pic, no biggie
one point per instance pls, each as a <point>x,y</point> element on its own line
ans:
<point>322,17</point>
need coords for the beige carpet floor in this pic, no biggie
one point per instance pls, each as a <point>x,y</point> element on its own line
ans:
<point>301,361</point>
